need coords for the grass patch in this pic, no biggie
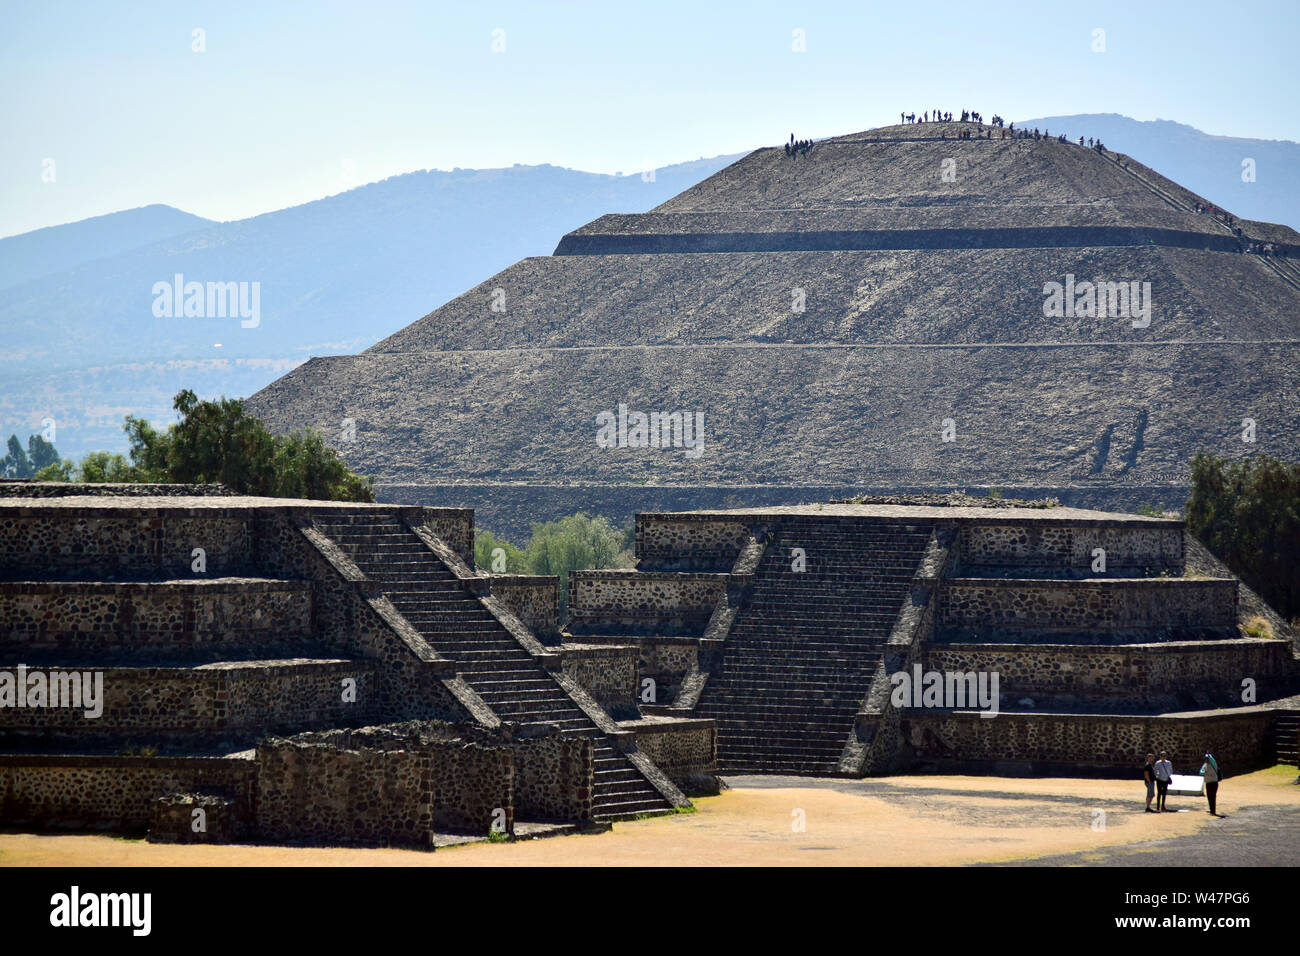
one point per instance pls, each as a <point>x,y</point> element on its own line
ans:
<point>1258,627</point>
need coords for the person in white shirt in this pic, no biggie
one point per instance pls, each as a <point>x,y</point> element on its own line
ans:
<point>1164,773</point>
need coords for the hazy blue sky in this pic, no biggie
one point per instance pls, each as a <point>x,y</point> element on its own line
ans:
<point>293,101</point>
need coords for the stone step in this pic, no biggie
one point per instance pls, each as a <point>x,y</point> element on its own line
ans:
<point>614,812</point>
<point>470,613</point>
<point>834,722</point>
<point>473,632</point>
<point>764,750</point>
<point>854,526</point>
<point>370,536</point>
<point>414,575</point>
<point>618,775</point>
<point>487,677</point>
<point>774,595</point>
<point>765,747</point>
<point>443,601</point>
<point>809,632</point>
<point>800,769</point>
<point>792,654</point>
<point>534,703</point>
<point>759,689</point>
<point>782,560</point>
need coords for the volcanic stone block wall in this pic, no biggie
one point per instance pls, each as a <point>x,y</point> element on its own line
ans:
<point>533,598</point>
<point>152,619</point>
<point>174,821</point>
<point>312,790</point>
<point>554,778</point>
<point>1071,546</point>
<point>683,542</point>
<point>112,792</point>
<point>399,784</point>
<point>667,661</point>
<point>1111,675</point>
<point>607,673</point>
<point>10,488</point>
<point>664,600</point>
<point>994,605</point>
<point>52,543</point>
<point>472,785</point>
<point>174,703</point>
<point>1240,741</point>
<point>685,750</point>
<point>455,526</point>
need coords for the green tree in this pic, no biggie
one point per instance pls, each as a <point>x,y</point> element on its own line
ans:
<point>101,466</point>
<point>486,544</point>
<point>61,470</point>
<point>149,449</point>
<point>218,441</point>
<point>40,453</point>
<point>1248,514</point>
<point>578,542</point>
<point>16,464</point>
<point>575,543</point>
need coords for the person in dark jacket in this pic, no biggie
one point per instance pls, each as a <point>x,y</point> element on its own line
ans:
<point>1149,775</point>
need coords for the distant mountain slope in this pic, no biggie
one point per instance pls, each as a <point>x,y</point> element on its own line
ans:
<point>335,275</point>
<point>57,248</point>
<point>1205,164</point>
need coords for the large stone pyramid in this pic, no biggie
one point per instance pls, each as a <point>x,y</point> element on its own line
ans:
<point>872,315</point>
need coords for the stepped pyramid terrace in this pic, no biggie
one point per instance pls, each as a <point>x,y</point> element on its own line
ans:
<point>1080,639</point>
<point>303,671</point>
<point>873,316</point>
<point>323,672</point>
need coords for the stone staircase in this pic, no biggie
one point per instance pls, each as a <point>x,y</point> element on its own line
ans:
<point>1286,731</point>
<point>805,645</point>
<point>488,657</point>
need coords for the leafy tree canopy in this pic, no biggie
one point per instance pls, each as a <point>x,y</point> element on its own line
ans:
<point>576,543</point>
<point>1248,514</point>
<point>218,441</point>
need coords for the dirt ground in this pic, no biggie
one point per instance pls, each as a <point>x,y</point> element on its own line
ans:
<point>897,821</point>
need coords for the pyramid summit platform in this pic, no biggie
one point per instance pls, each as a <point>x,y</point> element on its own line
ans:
<point>869,316</point>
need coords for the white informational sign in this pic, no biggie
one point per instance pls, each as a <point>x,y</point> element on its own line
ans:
<point>1186,783</point>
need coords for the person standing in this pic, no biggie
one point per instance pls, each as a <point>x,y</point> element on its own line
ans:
<point>1164,772</point>
<point>1210,771</point>
<point>1149,775</point>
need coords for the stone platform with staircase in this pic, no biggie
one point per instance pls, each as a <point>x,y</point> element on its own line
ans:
<point>214,643</point>
<point>1056,640</point>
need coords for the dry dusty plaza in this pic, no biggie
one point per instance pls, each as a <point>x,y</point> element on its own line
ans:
<point>799,669</point>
